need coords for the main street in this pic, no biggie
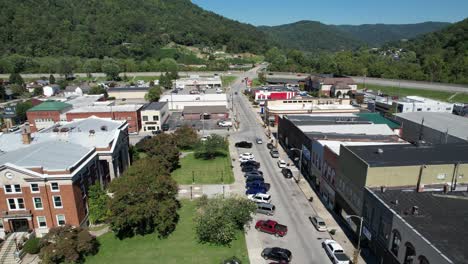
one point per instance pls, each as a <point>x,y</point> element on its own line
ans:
<point>292,207</point>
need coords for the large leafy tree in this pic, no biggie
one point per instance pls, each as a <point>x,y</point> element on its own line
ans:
<point>163,146</point>
<point>214,146</point>
<point>98,201</point>
<point>15,78</point>
<point>67,244</point>
<point>111,69</point>
<point>21,109</point>
<point>154,93</point>
<point>144,200</point>
<point>186,137</point>
<point>218,219</point>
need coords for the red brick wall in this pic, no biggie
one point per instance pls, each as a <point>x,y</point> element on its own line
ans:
<point>133,118</point>
<point>71,200</point>
<point>32,116</point>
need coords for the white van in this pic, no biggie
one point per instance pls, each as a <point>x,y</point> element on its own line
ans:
<point>260,198</point>
<point>265,208</point>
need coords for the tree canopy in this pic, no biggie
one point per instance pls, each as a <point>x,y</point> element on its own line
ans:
<point>153,94</point>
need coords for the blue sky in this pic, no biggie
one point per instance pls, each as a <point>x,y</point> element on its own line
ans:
<point>277,12</point>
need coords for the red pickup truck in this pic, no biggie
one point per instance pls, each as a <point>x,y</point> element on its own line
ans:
<point>271,227</point>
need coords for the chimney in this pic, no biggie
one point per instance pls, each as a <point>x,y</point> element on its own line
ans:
<point>415,210</point>
<point>26,136</point>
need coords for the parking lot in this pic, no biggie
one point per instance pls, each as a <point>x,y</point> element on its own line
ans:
<point>176,120</point>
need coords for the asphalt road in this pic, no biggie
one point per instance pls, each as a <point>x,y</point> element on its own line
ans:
<point>292,207</point>
<point>129,74</point>
<point>414,84</point>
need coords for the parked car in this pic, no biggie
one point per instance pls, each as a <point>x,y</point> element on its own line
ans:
<point>318,223</point>
<point>254,178</point>
<point>274,153</point>
<point>194,92</point>
<point>250,169</point>
<point>271,227</point>
<point>255,190</point>
<point>247,155</point>
<point>243,144</point>
<point>270,146</point>
<point>259,198</point>
<point>335,252</point>
<point>259,141</point>
<point>242,160</point>
<point>251,163</point>
<point>253,173</point>
<point>287,173</point>
<point>266,208</point>
<point>257,184</point>
<point>175,91</point>
<point>281,164</point>
<point>225,124</point>
<point>13,129</point>
<point>277,253</point>
<point>165,127</point>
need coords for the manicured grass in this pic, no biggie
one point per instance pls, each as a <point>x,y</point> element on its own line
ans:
<point>180,247</point>
<point>438,95</point>
<point>205,171</point>
<point>256,83</point>
<point>227,80</point>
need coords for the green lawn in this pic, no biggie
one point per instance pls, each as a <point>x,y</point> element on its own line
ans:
<point>256,83</point>
<point>227,80</point>
<point>180,247</point>
<point>205,171</point>
<point>143,78</point>
<point>438,95</point>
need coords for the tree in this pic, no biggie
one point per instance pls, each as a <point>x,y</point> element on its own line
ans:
<point>186,137</point>
<point>154,93</point>
<point>212,147</point>
<point>67,244</point>
<point>165,81</point>
<point>65,67</point>
<point>144,200</point>
<point>15,78</point>
<point>21,109</point>
<point>261,78</point>
<point>17,89</point>
<point>2,92</point>
<point>168,65</point>
<point>98,90</point>
<point>163,146</point>
<point>98,201</point>
<point>111,69</point>
<point>51,79</point>
<point>218,219</point>
<point>37,91</point>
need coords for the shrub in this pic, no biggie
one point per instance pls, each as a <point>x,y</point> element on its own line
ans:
<point>32,246</point>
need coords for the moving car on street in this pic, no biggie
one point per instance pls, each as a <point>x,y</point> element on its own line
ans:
<point>281,164</point>
<point>287,173</point>
<point>271,227</point>
<point>335,252</point>
<point>274,153</point>
<point>259,141</point>
<point>318,223</point>
<point>277,253</point>
<point>243,144</point>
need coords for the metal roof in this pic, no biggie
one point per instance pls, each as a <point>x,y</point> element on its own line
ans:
<point>377,118</point>
<point>154,106</point>
<point>50,106</point>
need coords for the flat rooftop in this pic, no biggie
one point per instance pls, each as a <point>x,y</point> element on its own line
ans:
<point>335,146</point>
<point>454,125</point>
<point>154,106</point>
<point>193,97</point>
<point>363,129</point>
<point>441,218</point>
<point>408,155</point>
<point>312,107</point>
<point>105,109</point>
<point>348,118</point>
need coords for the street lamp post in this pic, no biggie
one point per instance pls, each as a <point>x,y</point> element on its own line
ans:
<point>358,250</point>
<point>300,163</point>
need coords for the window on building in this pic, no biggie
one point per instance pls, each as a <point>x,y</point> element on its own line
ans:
<point>419,109</point>
<point>61,220</point>
<point>395,243</point>
<point>41,221</point>
<point>409,254</point>
<point>57,201</point>
<point>155,118</point>
<point>145,118</point>
<point>54,186</point>
<point>15,188</point>
<point>16,203</point>
<point>38,203</point>
<point>423,260</point>
<point>34,187</point>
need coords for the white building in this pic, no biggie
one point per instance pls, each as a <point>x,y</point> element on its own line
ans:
<point>197,82</point>
<point>50,90</point>
<point>177,102</point>
<point>411,104</point>
<point>154,115</point>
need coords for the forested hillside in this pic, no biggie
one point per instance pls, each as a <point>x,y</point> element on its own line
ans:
<point>311,36</point>
<point>377,34</point>
<point>117,28</point>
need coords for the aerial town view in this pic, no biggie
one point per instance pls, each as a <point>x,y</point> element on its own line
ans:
<point>233,132</point>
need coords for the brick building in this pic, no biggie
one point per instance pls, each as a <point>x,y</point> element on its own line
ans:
<point>46,114</point>
<point>38,193</point>
<point>129,113</point>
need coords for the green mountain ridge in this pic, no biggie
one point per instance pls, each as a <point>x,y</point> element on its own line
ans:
<point>313,35</point>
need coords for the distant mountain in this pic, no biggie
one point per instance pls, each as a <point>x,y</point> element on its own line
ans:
<point>312,35</point>
<point>378,34</point>
<point>117,28</point>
